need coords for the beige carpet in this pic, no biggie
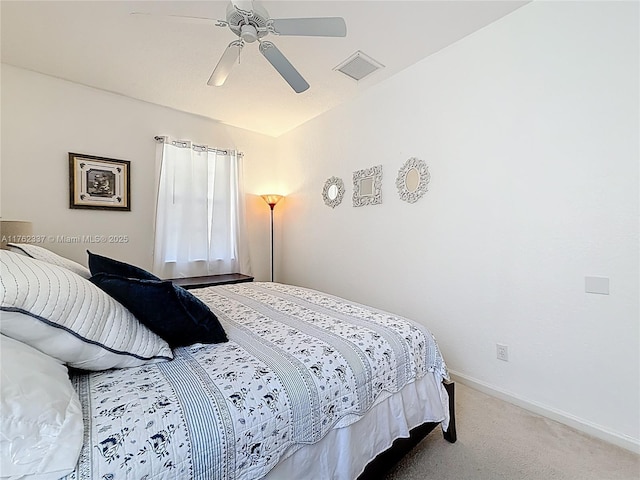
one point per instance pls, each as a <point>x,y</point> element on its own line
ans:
<point>497,440</point>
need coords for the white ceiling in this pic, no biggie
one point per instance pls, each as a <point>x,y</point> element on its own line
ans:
<point>100,44</point>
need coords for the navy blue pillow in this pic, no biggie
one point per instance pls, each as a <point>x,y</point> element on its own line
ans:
<point>166,309</point>
<point>100,264</point>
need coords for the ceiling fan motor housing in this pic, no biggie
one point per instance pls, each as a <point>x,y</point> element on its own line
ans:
<point>250,26</point>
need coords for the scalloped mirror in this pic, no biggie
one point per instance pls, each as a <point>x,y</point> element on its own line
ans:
<point>413,180</point>
<point>367,186</point>
<point>333,192</point>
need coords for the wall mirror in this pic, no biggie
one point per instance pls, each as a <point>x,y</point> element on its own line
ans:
<point>367,186</point>
<point>333,192</point>
<point>413,180</point>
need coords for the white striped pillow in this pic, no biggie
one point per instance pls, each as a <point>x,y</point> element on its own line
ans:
<point>67,317</point>
<point>41,253</point>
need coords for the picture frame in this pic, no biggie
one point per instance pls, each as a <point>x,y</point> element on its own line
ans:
<point>99,183</point>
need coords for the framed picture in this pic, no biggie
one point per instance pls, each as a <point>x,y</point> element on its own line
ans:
<point>99,183</point>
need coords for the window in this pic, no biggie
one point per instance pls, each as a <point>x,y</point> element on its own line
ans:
<point>200,227</point>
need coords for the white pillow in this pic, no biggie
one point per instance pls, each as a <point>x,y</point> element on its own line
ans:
<point>41,253</point>
<point>67,317</point>
<point>41,427</point>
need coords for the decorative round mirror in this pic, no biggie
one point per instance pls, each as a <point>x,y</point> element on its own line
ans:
<point>413,179</point>
<point>333,192</point>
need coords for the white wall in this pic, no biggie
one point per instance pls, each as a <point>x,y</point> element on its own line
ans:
<point>530,131</point>
<point>44,118</point>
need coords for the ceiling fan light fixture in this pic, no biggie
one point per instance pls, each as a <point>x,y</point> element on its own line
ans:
<point>248,33</point>
<point>358,66</point>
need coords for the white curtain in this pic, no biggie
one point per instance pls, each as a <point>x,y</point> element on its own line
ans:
<point>200,216</point>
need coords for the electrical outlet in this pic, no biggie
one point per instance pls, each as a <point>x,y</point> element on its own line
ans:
<point>502,352</point>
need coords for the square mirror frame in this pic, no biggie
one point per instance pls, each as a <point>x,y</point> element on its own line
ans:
<point>367,186</point>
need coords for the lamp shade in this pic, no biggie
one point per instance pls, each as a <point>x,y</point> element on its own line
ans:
<point>14,231</point>
<point>272,199</point>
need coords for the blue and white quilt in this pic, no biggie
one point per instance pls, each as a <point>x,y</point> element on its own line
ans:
<point>298,361</point>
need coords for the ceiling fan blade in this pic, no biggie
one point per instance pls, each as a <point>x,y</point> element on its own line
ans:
<point>225,64</point>
<point>244,5</point>
<point>177,18</point>
<point>283,66</point>
<point>313,27</point>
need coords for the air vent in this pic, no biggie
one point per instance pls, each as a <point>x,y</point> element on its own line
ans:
<point>358,66</point>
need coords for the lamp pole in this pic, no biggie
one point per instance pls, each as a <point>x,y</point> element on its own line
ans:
<point>271,205</point>
<point>272,200</point>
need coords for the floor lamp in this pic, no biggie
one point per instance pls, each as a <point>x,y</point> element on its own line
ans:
<point>272,200</point>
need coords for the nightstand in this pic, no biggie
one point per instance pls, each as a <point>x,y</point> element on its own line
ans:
<point>211,280</point>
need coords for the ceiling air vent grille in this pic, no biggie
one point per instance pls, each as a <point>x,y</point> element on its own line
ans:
<point>358,66</point>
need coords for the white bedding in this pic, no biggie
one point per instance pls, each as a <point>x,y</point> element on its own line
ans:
<point>301,369</point>
<point>38,407</point>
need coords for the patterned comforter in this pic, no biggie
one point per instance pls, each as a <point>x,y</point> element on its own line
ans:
<point>298,362</point>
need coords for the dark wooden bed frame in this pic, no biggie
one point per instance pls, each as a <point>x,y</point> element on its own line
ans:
<point>380,465</point>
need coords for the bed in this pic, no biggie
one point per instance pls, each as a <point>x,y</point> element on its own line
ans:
<point>305,384</point>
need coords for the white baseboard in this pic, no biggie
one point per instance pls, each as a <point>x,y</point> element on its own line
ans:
<point>579,424</point>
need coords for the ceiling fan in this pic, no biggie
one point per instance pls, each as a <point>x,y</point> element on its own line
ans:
<point>251,22</point>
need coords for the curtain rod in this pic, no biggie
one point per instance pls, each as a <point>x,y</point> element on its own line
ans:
<point>183,144</point>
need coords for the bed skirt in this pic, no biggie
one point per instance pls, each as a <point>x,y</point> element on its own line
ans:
<point>344,452</point>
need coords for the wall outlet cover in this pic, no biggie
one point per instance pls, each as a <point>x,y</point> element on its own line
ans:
<point>502,352</point>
